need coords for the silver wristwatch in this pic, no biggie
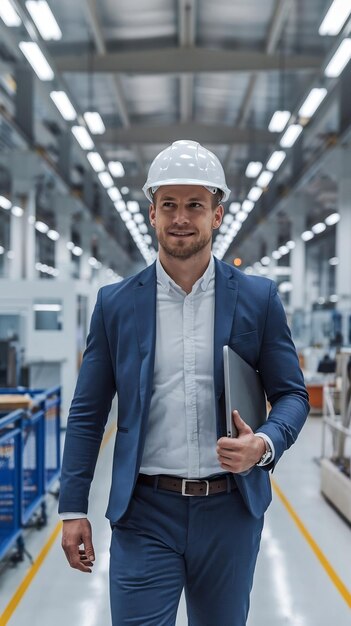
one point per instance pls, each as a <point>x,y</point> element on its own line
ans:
<point>266,455</point>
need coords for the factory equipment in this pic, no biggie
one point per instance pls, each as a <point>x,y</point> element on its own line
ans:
<point>336,438</point>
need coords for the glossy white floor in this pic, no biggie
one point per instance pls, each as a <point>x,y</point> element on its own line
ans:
<point>291,588</point>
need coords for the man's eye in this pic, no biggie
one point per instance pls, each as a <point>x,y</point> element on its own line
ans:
<point>167,204</point>
<point>195,205</point>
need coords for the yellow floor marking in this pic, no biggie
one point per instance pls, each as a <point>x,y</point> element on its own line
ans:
<point>341,587</point>
<point>22,588</point>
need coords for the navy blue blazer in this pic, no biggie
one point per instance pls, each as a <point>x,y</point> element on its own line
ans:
<point>120,357</point>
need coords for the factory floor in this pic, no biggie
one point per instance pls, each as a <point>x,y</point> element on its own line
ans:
<point>303,575</point>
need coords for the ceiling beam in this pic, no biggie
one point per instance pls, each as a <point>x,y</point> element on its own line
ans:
<point>90,8</point>
<point>189,59</point>
<point>218,134</point>
<point>277,25</point>
<point>186,19</point>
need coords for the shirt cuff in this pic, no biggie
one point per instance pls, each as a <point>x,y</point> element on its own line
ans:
<point>270,443</point>
<point>65,516</point>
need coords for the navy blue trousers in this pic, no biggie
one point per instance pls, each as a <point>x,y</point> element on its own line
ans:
<point>165,542</point>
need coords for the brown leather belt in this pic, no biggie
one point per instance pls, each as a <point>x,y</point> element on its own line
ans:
<point>188,486</point>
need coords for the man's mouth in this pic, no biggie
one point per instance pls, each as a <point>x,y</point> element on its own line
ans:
<point>180,234</point>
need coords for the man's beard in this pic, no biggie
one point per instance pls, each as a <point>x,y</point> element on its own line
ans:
<point>184,252</point>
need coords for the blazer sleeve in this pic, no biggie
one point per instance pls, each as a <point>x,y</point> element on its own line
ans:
<point>88,414</point>
<point>282,379</point>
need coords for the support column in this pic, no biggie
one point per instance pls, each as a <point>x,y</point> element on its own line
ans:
<point>343,248</point>
<point>15,254</point>
<point>63,207</point>
<point>85,234</point>
<point>24,100</point>
<point>270,237</point>
<point>298,254</point>
<point>25,166</point>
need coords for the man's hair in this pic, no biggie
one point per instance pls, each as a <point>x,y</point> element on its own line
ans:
<point>217,197</point>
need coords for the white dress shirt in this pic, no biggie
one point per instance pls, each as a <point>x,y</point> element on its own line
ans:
<point>181,434</point>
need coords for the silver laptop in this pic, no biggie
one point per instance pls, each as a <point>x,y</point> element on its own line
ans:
<point>243,391</point>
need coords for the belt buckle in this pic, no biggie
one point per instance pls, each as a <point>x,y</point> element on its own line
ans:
<point>190,480</point>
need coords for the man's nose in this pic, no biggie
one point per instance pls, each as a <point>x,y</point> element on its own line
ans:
<point>181,216</point>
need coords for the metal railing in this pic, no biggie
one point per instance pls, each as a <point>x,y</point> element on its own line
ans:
<point>29,461</point>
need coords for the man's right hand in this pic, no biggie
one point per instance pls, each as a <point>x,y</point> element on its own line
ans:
<point>77,532</point>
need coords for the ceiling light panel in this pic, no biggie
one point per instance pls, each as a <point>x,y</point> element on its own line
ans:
<point>44,19</point>
<point>253,169</point>
<point>64,105</point>
<point>96,161</point>
<point>264,179</point>
<point>340,59</point>
<point>279,121</point>
<point>276,160</point>
<point>291,135</point>
<point>254,194</point>
<point>37,60</point>
<point>312,102</point>
<point>335,18</point>
<point>9,14</point>
<point>116,168</point>
<point>94,122</point>
<point>82,136</point>
<point>106,180</point>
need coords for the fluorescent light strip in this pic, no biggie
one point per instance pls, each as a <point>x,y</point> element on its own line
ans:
<point>44,19</point>
<point>94,122</point>
<point>133,206</point>
<point>41,227</point>
<point>37,60</point>
<point>64,105</point>
<point>253,169</point>
<point>17,211</point>
<point>96,161</point>
<point>106,180</point>
<point>114,194</point>
<point>340,59</point>
<point>247,206</point>
<point>255,193</point>
<point>335,18</point>
<point>291,135</point>
<point>5,203</point>
<point>234,207</point>
<point>332,219</point>
<point>9,14</point>
<point>264,179</point>
<point>279,121</point>
<point>116,168</point>
<point>318,228</point>
<point>53,235</point>
<point>82,136</point>
<point>275,161</point>
<point>312,102</point>
<point>307,235</point>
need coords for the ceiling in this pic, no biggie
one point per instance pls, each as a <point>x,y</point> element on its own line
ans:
<point>215,72</point>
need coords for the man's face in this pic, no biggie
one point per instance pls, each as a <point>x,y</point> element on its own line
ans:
<point>184,218</point>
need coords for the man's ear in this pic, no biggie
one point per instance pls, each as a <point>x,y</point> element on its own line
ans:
<point>218,217</point>
<point>152,215</point>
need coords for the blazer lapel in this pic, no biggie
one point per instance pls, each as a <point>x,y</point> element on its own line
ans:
<point>145,311</point>
<point>226,293</point>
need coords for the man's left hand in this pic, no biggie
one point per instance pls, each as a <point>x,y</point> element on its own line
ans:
<point>238,454</point>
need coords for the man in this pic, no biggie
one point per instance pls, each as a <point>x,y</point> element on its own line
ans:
<point>157,339</point>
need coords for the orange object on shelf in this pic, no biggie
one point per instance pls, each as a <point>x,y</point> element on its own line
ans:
<point>316,395</point>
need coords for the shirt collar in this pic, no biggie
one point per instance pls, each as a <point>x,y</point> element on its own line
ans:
<point>167,282</point>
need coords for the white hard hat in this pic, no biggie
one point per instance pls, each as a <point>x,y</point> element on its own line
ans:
<point>186,162</point>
